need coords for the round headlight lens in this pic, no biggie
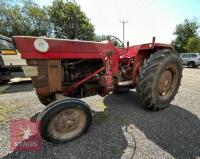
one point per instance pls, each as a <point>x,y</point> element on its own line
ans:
<point>41,45</point>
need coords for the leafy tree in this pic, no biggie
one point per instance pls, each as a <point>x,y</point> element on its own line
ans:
<point>23,18</point>
<point>10,19</point>
<point>100,38</point>
<point>36,18</point>
<point>62,19</point>
<point>69,21</point>
<point>183,33</point>
<point>193,45</point>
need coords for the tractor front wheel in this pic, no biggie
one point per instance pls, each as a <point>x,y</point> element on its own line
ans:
<point>64,120</point>
<point>46,100</point>
<point>159,79</point>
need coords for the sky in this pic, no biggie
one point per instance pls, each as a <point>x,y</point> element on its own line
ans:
<point>146,18</point>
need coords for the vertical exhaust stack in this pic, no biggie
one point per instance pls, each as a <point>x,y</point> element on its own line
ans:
<point>153,40</point>
<point>127,45</point>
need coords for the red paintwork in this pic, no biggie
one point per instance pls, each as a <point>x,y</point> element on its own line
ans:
<point>74,49</point>
<point>62,49</point>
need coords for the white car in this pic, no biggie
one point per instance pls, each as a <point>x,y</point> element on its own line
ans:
<point>192,60</point>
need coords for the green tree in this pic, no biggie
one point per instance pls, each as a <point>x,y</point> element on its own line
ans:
<point>10,19</point>
<point>36,18</point>
<point>193,45</point>
<point>100,38</point>
<point>183,33</point>
<point>23,18</point>
<point>69,21</point>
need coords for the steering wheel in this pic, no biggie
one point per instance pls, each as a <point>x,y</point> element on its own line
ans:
<point>116,41</point>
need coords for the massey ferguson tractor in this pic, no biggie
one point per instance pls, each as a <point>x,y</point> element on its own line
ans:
<point>74,69</point>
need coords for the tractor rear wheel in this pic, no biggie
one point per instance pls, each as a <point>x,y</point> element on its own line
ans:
<point>64,120</point>
<point>120,90</point>
<point>159,79</point>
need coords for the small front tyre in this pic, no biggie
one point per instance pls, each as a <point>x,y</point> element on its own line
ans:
<point>46,100</point>
<point>64,120</point>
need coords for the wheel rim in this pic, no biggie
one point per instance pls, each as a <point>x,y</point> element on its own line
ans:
<point>167,82</point>
<point>67,124</point>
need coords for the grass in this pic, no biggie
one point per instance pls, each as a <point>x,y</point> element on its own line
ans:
<point>102,115</point>
<point>101,106</point>
<point>1,92</point>
<point>2,89</point>
<point>7,111</point>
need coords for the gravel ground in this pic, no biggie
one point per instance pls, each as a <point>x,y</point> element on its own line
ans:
<point>122,130</point>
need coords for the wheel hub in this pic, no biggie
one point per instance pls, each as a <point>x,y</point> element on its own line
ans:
<point>167,80</point>
<point>67,123</point>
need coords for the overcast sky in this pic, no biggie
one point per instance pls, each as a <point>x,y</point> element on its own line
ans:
<point>146,18</point>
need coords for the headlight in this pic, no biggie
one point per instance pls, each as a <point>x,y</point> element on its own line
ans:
<point>41,45</point>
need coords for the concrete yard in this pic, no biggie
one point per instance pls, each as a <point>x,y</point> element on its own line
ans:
<point>121,128</point>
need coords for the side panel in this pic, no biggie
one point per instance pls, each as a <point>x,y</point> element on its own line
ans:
<point>40,83</point>
<point>49,76</point>
<point>54,75</point>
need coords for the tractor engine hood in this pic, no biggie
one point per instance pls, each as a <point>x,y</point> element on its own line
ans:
<point>50,48</point>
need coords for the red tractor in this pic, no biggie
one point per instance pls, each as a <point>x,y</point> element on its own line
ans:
<point>76,69</point>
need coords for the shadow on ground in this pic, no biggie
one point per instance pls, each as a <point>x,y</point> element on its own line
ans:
<point>15,87</point>
<point>175,130</point>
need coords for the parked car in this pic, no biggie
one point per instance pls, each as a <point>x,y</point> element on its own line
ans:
<point>192,60</point>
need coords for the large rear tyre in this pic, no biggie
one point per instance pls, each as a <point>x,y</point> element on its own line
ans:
<point>159,79</point>
<point>64,120</point>
<point>120,90</point>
